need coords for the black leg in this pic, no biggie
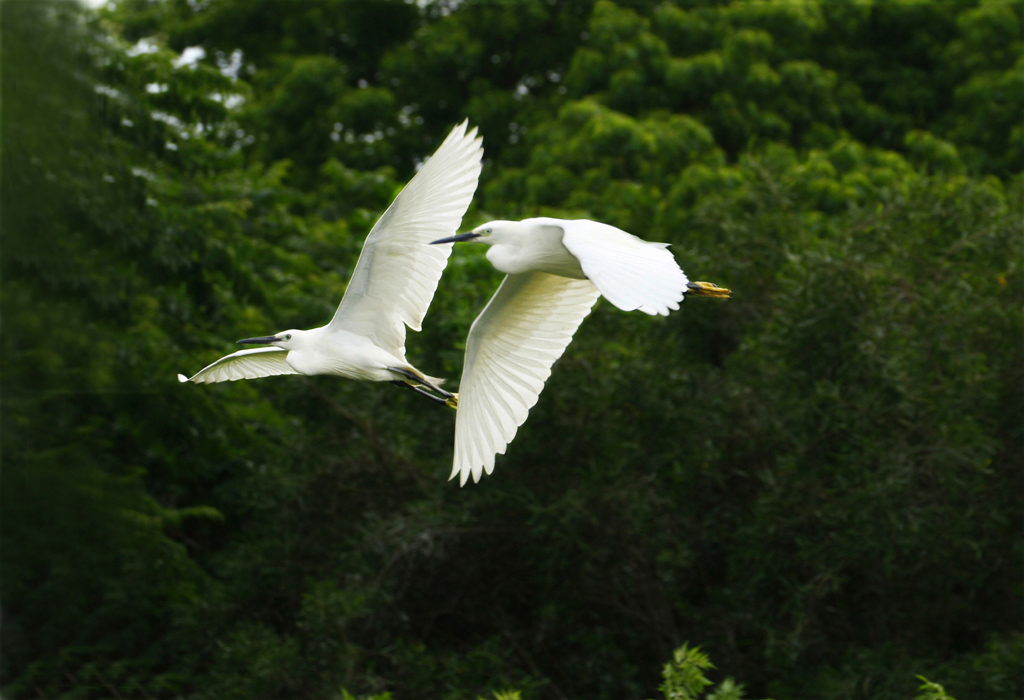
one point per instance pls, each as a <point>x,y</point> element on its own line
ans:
<point>421,391</point>
<point>420,380</point>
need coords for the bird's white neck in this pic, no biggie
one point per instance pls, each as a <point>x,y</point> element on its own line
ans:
<point>525,246</point>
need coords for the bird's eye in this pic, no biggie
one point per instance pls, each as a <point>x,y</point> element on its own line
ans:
<point>288,337</point>
<point>488,231</point>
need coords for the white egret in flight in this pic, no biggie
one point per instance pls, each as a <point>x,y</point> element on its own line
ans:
<point>391,287</point>
<point>556,269</point>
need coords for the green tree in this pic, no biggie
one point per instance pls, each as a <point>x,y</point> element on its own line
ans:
<point>818,481</point>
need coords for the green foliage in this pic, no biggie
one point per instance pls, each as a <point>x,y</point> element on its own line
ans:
<point>818,481</point>
<point>684,676</point>
<point>932,691</point>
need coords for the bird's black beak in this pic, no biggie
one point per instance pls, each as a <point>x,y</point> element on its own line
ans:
<point>263,340</point>
<point>458,239</point>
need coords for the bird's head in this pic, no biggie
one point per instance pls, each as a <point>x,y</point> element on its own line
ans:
<point>490,233</point>
<point>286,340</point>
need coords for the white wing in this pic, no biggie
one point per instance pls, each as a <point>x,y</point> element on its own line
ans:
<point>630,272</point>
<point>512,344</point>
<point>397,272</point>
<point>244,364</point>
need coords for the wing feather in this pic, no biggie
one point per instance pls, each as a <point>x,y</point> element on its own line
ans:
<point>397,272</point>
<point>633,274</point>
<point>512,345</point>
<point>244,364</point>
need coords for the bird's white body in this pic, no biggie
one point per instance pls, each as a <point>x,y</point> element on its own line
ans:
<point>315,351</point>
<point>556,271</point>
<point>633,274</point>
<point>350,355</point>
<point>391,288</point>
<point>532,245</point>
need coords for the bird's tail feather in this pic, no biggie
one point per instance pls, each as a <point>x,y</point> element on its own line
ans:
<point>428,381</point>
<point>433,381</point>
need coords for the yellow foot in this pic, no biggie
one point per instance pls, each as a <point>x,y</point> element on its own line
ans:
<point>452,401</point>
<point>708,289</point>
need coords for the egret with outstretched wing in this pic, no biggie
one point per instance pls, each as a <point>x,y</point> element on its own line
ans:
<point>391,287</point>
<point>556,271</point>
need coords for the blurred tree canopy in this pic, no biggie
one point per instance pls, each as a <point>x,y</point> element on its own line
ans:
<point>819,482</point>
